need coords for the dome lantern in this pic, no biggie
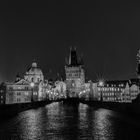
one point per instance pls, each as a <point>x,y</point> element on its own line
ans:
<point>34,65</point>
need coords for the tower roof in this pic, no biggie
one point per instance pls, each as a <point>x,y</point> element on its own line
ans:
<point>73,61</point>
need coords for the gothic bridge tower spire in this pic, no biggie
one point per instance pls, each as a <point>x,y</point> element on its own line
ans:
<point>75,75</point>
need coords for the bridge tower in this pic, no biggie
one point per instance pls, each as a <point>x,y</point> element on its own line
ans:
<point>75,74</point>
<point>138,66</point>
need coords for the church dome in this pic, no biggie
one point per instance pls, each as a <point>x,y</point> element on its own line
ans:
<point>34,73</point>
<point>34,69</point>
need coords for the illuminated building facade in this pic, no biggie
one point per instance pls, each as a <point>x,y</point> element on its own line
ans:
<point>19,92</point>
<point>31,88</point>
<point>43,87</point>
<point>60,88</point>
<point>75,75</point>
<point>2,93</point>
<point>134,88</point>
<point>118,91</point>
<point>34,75</point>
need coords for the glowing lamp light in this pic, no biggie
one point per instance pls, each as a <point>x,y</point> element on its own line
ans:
<point>101,83</point>
<point>32,84</point>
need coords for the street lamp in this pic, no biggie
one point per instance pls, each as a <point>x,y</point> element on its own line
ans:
<point>32,86</point>
<point>101,84</point>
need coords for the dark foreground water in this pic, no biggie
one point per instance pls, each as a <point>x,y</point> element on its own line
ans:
<point>69,122</point>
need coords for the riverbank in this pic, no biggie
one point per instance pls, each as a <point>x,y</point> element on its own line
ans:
<point>9,110</point>
<point>131,109</point>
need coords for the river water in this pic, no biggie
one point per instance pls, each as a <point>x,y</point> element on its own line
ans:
<point>58,121</point>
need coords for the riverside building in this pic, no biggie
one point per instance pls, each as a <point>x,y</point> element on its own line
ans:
<point>19,92</point>
<point>35,76</point>
<point>28,89</point>
<point>119,91</point>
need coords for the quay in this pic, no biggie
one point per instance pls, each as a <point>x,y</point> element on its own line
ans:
<point>9,110</point>
<point>131,109</point>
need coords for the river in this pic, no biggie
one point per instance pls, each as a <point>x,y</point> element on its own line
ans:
<point>58,121</point>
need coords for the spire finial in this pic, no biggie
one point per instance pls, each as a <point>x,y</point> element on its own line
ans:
<point>70,56</point>
<point>34,64</point>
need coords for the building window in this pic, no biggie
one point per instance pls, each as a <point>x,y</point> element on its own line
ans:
<point>19,87</point>
<point>38,79</point>
<point>32,79</point>
<point>35,93</point>
<point>18,93</point>
<point>26,88</point>
<point>10,88</point>
<point>18,99</point>
<point>26,93</point>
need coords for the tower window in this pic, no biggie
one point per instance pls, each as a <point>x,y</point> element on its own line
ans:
<point>32,79</point>
<point>38,79</point>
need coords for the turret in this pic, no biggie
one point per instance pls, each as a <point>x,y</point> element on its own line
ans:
<point>18,78</point>
<point>73,57</point>
<point>138,67</point>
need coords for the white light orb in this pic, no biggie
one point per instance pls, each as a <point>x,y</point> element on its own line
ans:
<point>32,84</point>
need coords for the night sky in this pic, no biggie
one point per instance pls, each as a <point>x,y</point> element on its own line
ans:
<point>106,33</point>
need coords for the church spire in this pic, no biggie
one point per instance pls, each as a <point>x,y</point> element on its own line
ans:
<point>81,60</point>
<point>138,66</point>
<point>70,56</point>
<point>73,57</point>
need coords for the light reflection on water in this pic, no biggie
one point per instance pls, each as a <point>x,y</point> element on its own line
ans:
<point>97,123</point>
<point>59,121</point>
<point>103,127</point>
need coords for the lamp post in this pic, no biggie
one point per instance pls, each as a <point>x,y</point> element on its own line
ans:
<point>101,84</point>
<point>32,86</point>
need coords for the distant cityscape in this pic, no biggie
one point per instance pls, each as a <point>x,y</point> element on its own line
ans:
<point>32,87</point>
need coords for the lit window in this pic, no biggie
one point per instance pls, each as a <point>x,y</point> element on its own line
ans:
<point>26,93</point>
<point>18,93</point>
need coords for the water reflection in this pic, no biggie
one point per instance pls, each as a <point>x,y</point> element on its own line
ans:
<point>32,124</point>
<point>94,123</point>
<point>59,121</point>
<point>84,126</point>
<point>103,126</point>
